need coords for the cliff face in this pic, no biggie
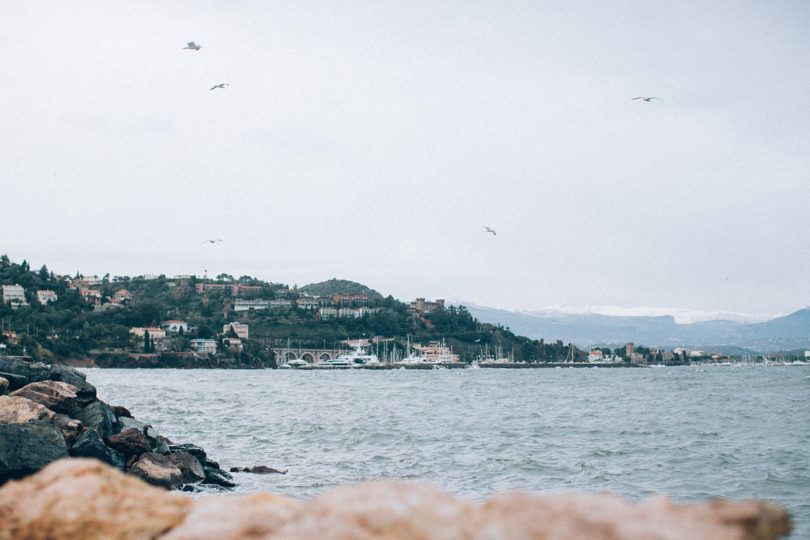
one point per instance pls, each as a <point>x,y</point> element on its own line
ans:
<point>81,498</point>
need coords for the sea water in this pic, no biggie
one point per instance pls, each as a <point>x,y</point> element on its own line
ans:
<point>693,433</point>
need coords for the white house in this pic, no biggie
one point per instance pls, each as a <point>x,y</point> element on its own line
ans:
<point>175,326</point>
<point>240,329</point>
<point>46,296</point>
<point>204,345</point>
<point>14,295</point>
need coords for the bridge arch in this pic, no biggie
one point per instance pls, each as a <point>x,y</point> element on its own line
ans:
<point>289,355</point>
<point>308,357</point>
<point>324,356</point>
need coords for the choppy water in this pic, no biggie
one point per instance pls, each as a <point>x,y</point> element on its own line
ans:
<point>693,433</point>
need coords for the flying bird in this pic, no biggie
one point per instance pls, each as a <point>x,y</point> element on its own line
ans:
<point>192,45</point>
<point>220,85</point>
<point>489,230</point>
<point>647,99</point>
<point>214,241</point>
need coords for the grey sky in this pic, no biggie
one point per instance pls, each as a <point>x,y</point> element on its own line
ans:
<point>373,140</point>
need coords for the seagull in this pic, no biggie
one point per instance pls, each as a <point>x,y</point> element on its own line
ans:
<point>489,230</point>
<point>220,85</point>
<point>647,99</point>
<point>214,241</point>
<point>192,45</point>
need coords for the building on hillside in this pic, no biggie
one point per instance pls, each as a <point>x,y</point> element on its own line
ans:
<point>91,295</point>
<point>46,296</point>
<point>14,295</point>
<point>10,335</point>
<point>233,288</point>
<point>175,327</point>
<point>308,302</point>
<point>348,313</point>
<point>154,332</point>
<point>204,345</point>
<point>233,344</point>
<point>421,306</point>
<point>327,313</point>
<point>346,299</point>
<point>94,280</point>
<point>240,329</point>
<point>243,304</point>
<point>122,296</point>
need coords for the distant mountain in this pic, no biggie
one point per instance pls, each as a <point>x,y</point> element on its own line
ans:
<point>339,286</point>
<point>588,329</point>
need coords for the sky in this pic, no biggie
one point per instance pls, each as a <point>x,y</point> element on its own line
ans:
<point>374,140</point>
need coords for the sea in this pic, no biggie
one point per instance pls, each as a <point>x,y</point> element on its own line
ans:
<point>693,433</point>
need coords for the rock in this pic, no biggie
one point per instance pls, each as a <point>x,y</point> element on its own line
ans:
<point>162,445</point>
<point>192,449</point>
<point>121,412</point>
<point>130,442</point>
<point>84,499</point>
<point>98,416</point>
<point>20,410</point>
<point>190,466</point>
<point>3,385</point>
<point>56,395</point>
<point>19,373</point>
<point>215,475</point>
<point>258,469</point>
<point>85,392</point>
<point>126,422</point>
<point>26,448</point>
<point>158,470</point>
<point>90,445</point>
<point>69,427</point>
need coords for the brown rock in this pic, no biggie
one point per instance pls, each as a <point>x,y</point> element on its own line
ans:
<point>258,469</point>
<point>56,395</point>
<point>130,442</point>
<point>158,470</point>
<point>85,499</point>
<point>190,466</point>
<point>121,412</point>
<point>19,410</point>
<point>3,385</point>
<point>69,427</point>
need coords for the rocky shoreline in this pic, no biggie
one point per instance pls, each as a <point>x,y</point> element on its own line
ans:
<point>52,412</point>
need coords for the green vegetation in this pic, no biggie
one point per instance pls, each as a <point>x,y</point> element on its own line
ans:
<point>73,329</point>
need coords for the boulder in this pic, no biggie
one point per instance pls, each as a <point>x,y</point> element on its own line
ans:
<point>69,427</point>
<point>127,422</point>
<point>215,475</point>
<point>20,410</point>
<point>130,442</point>
<point>90,445</point>
<point>192,449</point>
<point>26,448</point>
<point>56,395</point>
<point>190,466</point>
<point>121,412</point>
<point>85,392</point>
<point>158,470</point>
<point>98,416</point>
<point>258,469</point>
<point>84,499</point>
<point>19,373</point>
<point>3,385</point>
<point>162,445</point>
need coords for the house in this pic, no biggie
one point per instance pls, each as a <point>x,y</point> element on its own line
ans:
<point>233,344</point>
<point>308,302</point>
<point>122,296</point>
<point>175,327</point>
<point>204,345</point>
<point>46,296</point>
<point>421,306</point>
<point>327,313</point>
<point>14,295</point>
<point>348,312</point>
<point>595,356</point>
<point>154,332</point>
<point>342,299</point>
<point>10,335</point>
<point>240,329</point>
<point>242,304</point>
<point>234,288</point>
<point>91,295</point>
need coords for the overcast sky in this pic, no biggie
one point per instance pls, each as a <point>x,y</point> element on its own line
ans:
<point>372,141</point>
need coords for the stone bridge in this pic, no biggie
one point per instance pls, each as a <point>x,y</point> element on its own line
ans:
<point>311,356</point>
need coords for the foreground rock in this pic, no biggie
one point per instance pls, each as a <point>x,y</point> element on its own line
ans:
<point>53,412</point>
<point>85,499</point>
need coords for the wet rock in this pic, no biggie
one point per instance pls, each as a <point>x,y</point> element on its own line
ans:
<point>98,416</point>
<point>215,475</point>
<point>19,373</point>
<point>3,385</point>
<point>83,499</point>
<point>28,447</point>
<point>189,466</point>
<point>158,470</point>
<point>85,392</point>
<point>90,445</point>
<point>19,410</point>
<point>56,395</point>
<point>258,469</point>
<point>162,445</point>
<point>192,449</point>
<point>121,412</point>
<point>125,422</point>
<point>130,442</point>
<point>69,427</point>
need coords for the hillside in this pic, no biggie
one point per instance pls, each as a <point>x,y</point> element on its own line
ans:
<point>338,286</point>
